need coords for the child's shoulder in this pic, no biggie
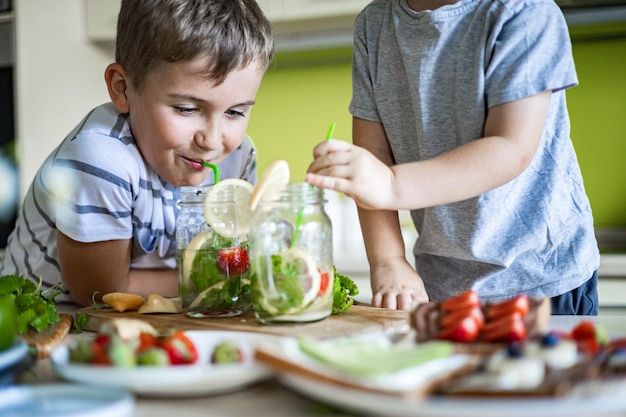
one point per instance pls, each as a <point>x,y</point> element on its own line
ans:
<point>102,140</point>
<point>104,120</point>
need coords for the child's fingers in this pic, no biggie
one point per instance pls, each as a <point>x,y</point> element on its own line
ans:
<point>332,183</point>
<point>330,146</point>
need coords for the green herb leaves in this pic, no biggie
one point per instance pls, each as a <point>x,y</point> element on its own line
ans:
<point>344,289</point>
<point>35,308</point>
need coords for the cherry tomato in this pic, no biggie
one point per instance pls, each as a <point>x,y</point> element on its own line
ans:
<point>146,341</point>
<point>464,331</point>
<point>180,348</point>
<point>510,328</point>
<point>99,350</point>
<point>466,299</point>
<point>520,304</point>
<point>453,317</point>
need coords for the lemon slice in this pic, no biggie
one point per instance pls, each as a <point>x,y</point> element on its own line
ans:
<point>308,274</point>
<point>226,207</point>
<point>273,180</point>
<point>197,243</point>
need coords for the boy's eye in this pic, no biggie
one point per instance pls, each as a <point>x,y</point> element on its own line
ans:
<point>185,110</point>
<point>235,113</point>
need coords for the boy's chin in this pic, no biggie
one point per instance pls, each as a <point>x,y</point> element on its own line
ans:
<point>190,181</point>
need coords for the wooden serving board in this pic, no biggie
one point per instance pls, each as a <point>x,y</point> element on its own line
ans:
<point>359,319</point>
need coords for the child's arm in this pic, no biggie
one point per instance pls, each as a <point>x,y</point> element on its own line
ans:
<point>105,267</point>
<point>395,284</point>
<point>512,134</point>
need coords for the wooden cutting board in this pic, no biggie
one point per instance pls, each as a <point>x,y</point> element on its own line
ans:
<point>359,319</point>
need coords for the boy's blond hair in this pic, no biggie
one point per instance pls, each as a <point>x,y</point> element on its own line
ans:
<point>229,33</point>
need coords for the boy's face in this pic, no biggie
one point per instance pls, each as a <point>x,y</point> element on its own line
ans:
<point>180,118</point>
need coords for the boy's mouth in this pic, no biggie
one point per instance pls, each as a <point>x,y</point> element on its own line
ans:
<point>195,163</point>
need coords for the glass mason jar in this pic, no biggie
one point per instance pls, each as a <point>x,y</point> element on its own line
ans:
<point>213,270</point>
<point>291,255</point>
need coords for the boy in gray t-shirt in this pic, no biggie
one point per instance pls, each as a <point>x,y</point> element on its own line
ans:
<point>460,116</point>
<point>101,212</point>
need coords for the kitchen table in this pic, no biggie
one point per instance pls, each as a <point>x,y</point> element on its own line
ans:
<point>269,398</point>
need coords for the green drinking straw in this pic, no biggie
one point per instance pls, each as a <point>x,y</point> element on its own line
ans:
<point>331,131</point>
<point>216,171</point>
<point>296,232</point>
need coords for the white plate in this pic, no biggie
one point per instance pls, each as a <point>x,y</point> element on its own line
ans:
<point>181,380</point>
<point>384,405</point>
<point>357,396</point>
<point>13,355</point>
<point>66,400</point>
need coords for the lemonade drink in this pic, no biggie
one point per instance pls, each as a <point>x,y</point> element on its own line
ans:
<point>292,289</point>
<point>291,257</point>
<point>214,276</point>
<point>212,250</point>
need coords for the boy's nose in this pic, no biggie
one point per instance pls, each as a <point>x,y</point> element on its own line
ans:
<point>208,137</point>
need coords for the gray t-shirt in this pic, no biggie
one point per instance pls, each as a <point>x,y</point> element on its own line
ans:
<point>429,78</point>
<point>96,186</point>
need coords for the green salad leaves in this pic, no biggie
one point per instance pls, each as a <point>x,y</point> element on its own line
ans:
<point>344,290</point>
<point>36,309</point>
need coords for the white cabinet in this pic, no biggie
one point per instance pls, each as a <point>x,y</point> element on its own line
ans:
<point>101,19</point>
<point>273,9</point>
<point>288,17</point>
<point>288,10</point>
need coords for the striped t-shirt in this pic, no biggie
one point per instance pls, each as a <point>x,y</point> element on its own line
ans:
<point>95,186</point>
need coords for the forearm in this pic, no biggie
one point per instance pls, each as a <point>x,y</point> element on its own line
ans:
<point>382,236</point>
<point>148,281</point>
<point>460,174</point>
<point>90,270</point>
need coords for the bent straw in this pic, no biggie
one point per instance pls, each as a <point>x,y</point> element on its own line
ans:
<point>216,171</point>
<point>296,232</point>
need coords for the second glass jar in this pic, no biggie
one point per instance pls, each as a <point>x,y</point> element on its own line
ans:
<point>291,257</point>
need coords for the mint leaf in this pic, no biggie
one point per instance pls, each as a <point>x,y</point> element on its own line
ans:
<point>288,288</point>
<point>234,294</point>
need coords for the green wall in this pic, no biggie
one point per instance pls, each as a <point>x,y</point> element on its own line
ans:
<point>298,100</point>
<point>597,109</point>
<point>304,92</point>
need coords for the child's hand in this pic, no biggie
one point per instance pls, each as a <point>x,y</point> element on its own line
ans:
<point>352,170</point>
<point>396,285</point>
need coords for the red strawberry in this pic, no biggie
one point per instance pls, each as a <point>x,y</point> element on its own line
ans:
<point>586,338</point>
<point>584,330</point>
<point>233,261</point>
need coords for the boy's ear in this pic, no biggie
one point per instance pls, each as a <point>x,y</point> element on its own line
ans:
<point>117,84</point>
